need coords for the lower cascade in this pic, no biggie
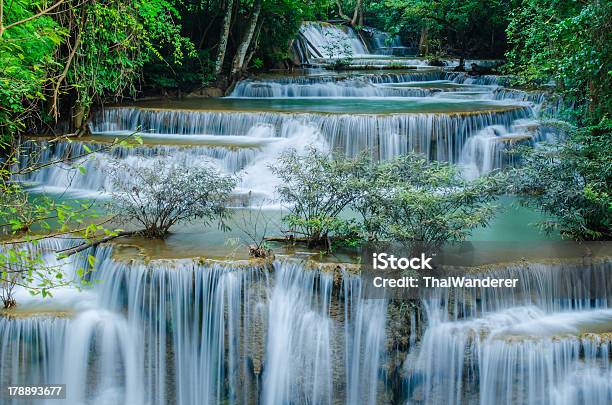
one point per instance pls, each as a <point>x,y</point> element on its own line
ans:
<point>191,331</point>
<point>183,332</point>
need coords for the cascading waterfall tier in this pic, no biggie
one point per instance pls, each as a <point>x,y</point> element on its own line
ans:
<point>356,85</point>
<point>324,44</point>
<point>193,331</point>
<point>439,136</point>
<point>186,332</point>
<point>96,167</point>
<point>548,104</point>
<point>491,147</point>
<point>383,43</point>
<point>547,342</point>
<point>248,142</point>
<point>321,40</point>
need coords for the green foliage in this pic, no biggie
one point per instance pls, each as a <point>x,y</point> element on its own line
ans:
<point>281,21</point>
<point>405,199</point>
<point>409,199</point>
<point>455,27</point>
<point>160,195</point>
<point>118,39</point>
<point>571,181</point>
<point>77,54</point>
<point>26,52</point>
<point>316,188</point>
<point>567,42</point>
<point>194,71</point>
<point>28,219</point>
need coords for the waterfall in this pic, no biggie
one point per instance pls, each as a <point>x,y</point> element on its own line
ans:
<point>331,41</point>
<point>191,331</point>
<point>548,104</point>
<point>304,354</point>
<point>491,147</point>
<point>339,88</point>
<point>31,351</point>
<point>530,346</point>
<point>370,86</point>
<point>185,332</point>
<point>383,43</point>
<point>385,134</point>
<point>247,155</point>
<point>102,344</point>
<point>247,143</point>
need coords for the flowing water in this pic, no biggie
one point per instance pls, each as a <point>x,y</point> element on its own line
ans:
<point>186,332</point>
<point>193,331</point>
<point>444,115</point>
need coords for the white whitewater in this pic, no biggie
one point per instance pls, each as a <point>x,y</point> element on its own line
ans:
<point>375,85</point>
<point>185,333</point>
<point>547,343</point>
<point>249,142</point>
<point>181,332</point>
<point>332,41</point>
<point>246,143</point>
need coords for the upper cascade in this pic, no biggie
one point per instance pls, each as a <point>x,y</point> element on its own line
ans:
<point>422,83</point>
<point>321,40</point>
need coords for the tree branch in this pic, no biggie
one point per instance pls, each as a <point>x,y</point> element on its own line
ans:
<point>30,18</point>
<point>77,43</point>
<point>69,252</point>
<point>441,21</point>
<point>341,13</point>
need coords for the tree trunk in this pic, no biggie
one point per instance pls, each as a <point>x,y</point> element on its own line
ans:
<point>254,44</point>
<point>238,63</point>
<point>361,16</point>
<point>424,42</point>
<point>356,12</point>
<point>78,118</point>
<point>227,20</point>
<point>71,251</point>
<point>54,108</point>
<point>341,13</point>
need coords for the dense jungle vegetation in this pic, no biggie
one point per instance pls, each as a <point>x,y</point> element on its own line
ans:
<point>61,57</point>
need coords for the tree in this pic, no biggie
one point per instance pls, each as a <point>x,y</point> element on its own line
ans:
<point>406,199</point>
<point>247,39</point>
<point>570,181</point>
<point>163,194</point>
<point>59,57</point>
<point>227,20</point>
<point>254,224</point>
<point>316,187</point>
<point>409,199</point>
<point>113,41</point>
<point>566,44</point>
<point>456,27</point>
<point>28,40</point>
<point>357,12</point>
